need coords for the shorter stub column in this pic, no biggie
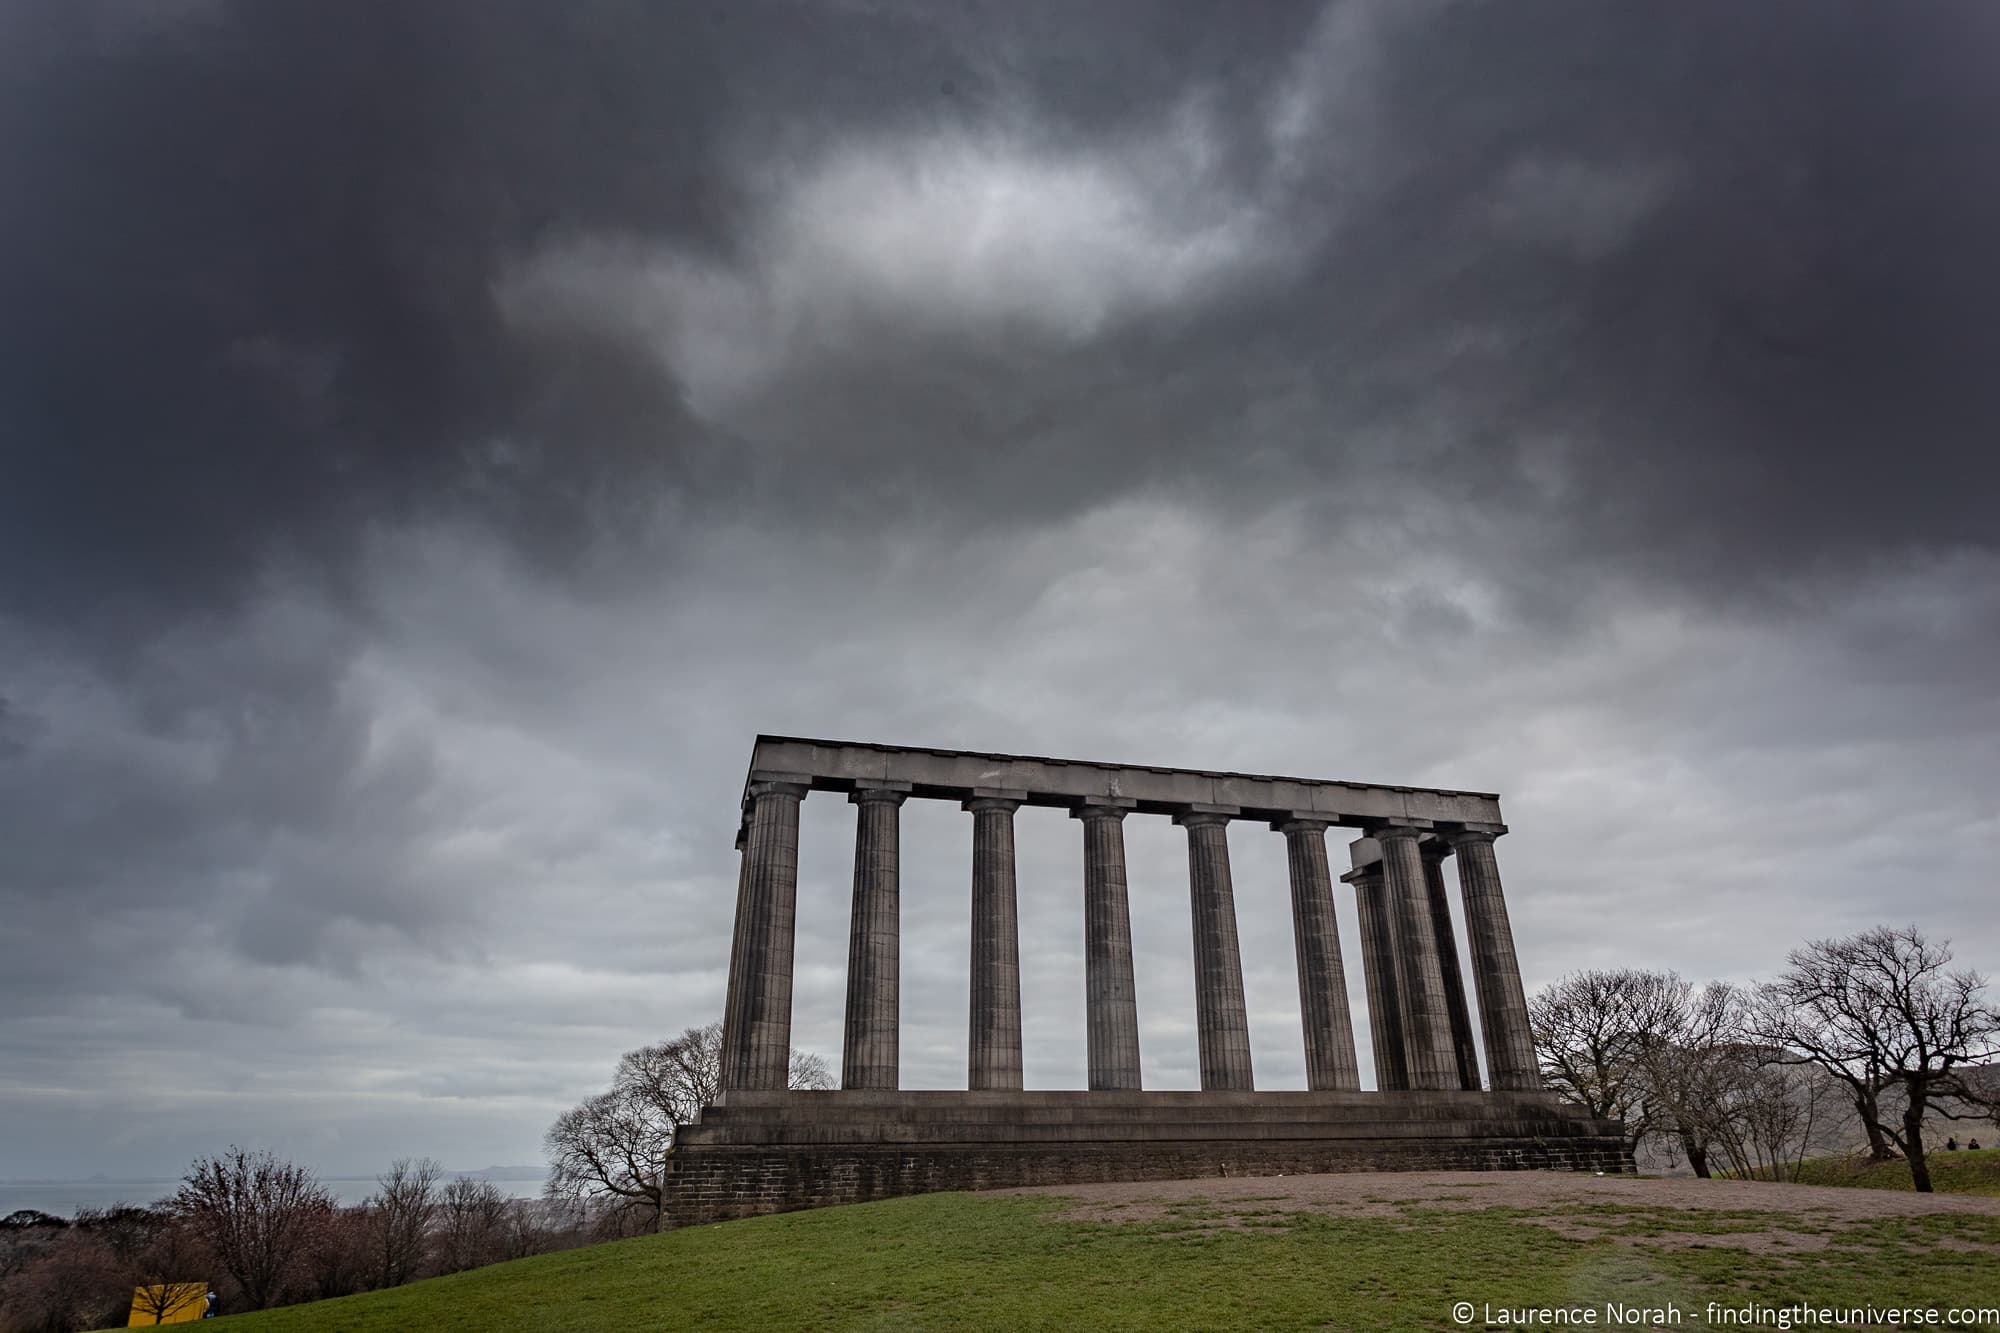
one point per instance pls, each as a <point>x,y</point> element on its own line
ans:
<point>1378,970</point>
<point>1111,998</point>
<point>1329,1028</point>
<point>1428,1057</point>
<point>1221,1018</point>
<point>869,1054</point>
<point>1496,972</point>
<point>994,1050</point>
<point>1463,1043</point>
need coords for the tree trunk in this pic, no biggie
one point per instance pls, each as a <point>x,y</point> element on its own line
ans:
<point>1913,1135</point>
<point>1697,1155</point>
<point>1871,1122</point>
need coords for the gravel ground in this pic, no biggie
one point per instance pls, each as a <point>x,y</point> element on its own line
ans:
<point>1821,1209</point>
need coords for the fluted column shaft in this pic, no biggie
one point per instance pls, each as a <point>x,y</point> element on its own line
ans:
<point>729,1063</point>
<point>869,1052</point>
<point>994,1049</point>
<point>1378,971</point>
<point>1222,1021</point>
<point>1111,996</point>
<point>1464,1045</point>
<point>1428,1057</point>
<point>757,1017</point>
<point>1496,971</point>
<point>1329,1028</point>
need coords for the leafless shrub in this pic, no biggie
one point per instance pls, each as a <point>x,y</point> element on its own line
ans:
<point>258,1215</point>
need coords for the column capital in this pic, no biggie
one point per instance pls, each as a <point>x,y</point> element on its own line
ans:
<point>1103,807</point>
<point>773,787</point>
<point>1200,814</point>
<point>1469,833</point>
<point>986,799</point>
<point>1411,829</point>
<point>893,792</point>
<point>1435,850</point>
<point>1299,821</point>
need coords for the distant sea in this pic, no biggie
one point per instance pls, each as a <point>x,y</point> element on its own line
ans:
<point>64,1197</point>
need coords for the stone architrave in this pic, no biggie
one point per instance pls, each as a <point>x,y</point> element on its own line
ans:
<point>1465,1046</point>
<point>869,1051</point>
<point>1110,991</point>
<point>1428,1058</point>
<point>1221,1017</point>
<point>1496,971</point>
<point>757,1022</point>
<point>994,1049</point>
<point>1329,1028</point>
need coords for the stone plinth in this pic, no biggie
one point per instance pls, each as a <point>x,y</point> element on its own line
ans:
<point>772,1152</point>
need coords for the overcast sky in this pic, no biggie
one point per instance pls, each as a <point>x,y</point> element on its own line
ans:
<point>439,437</point>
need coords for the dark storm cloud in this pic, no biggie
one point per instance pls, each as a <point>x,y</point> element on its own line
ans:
<point>247,299</point>
<point>1786,363</point>
<point>252,250</point>
<point>1699,295</point>
<point>1723,267</point>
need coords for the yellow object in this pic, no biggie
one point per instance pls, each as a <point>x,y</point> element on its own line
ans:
<point>168,1303</point>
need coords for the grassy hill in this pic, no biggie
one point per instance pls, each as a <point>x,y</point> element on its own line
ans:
<point>1259,1257</point>
<point>1951,1172</point>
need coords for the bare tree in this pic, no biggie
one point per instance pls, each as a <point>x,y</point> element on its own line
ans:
<point>807,1073</point>
<point>400,1213</point>
<point>1882,1010</point>
<point>74,1282</point>
<point>1684,1062</point>
<point>340,1257</point>
<point>613,1148</point>
<point>1779,1115</point>
<point>472,1221</point>
<point>1593,1031</point>
<point>167,1266</point>
<point>256,1213</point>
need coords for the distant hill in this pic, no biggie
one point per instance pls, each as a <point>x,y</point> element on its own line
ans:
<point>503,1173</point>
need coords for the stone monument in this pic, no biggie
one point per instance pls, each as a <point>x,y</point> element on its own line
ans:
<point>761,1148</point>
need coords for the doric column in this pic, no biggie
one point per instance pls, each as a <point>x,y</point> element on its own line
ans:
<point>1496,971</point>
<point>729,1062</point>
<point>1428,1057</point>
<point>1378,971</point>
<point>868,1055</point>
<point>1329,1028</point>
<point>994,1059</point>
<point>1111,998</point>
<point>1222,1022</point>
<point>1463,1044</point>
<point>757,1018</point>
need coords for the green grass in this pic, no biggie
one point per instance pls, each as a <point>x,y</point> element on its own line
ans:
<point>956,1261</point>
<point>1951,1172</point>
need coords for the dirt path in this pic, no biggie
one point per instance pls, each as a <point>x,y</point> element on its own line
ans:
<point>1576,1205</point>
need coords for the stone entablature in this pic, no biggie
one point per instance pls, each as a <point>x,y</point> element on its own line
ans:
<point>960,775</point>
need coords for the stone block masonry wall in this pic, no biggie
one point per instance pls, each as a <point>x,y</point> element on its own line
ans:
<point>714,1183</point>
